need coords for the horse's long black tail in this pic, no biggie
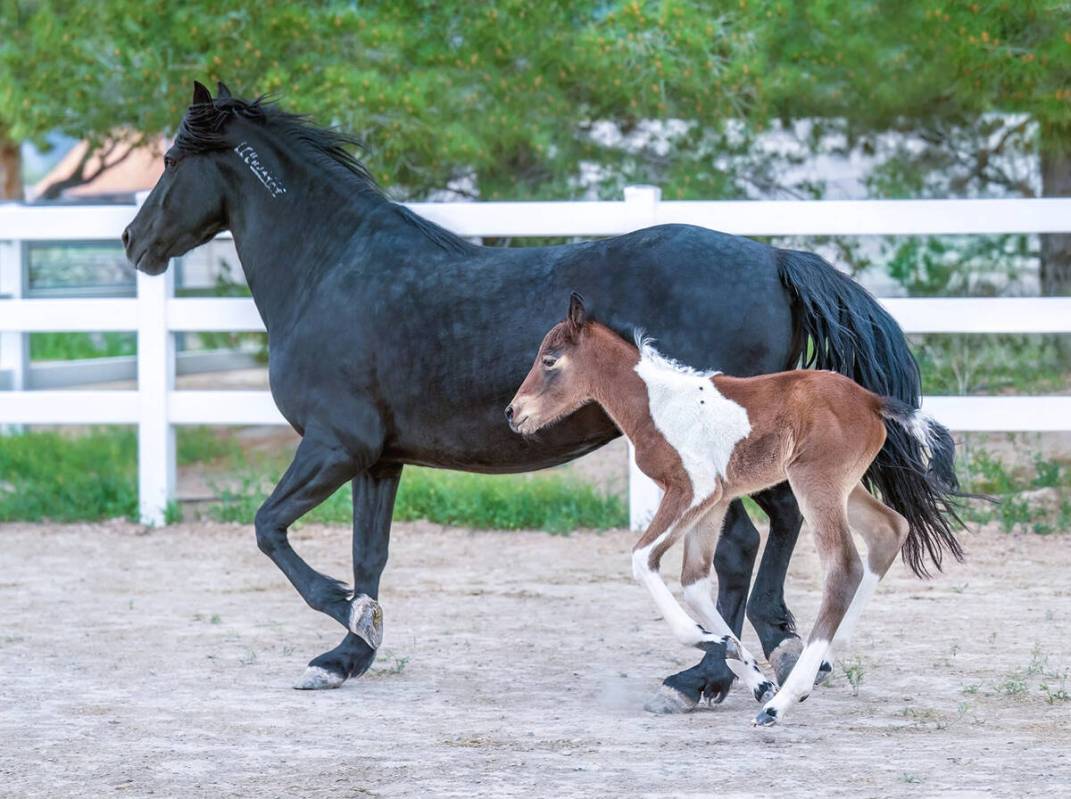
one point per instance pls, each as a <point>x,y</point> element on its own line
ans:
<point>841,327</point>
<point>916,478</point>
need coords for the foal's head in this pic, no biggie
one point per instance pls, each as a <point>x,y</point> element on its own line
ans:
<point>559,380</point>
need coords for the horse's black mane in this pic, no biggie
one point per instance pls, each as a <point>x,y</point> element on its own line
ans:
<point>203,129</point>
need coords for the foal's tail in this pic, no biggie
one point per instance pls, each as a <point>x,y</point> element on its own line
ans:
<point>841,327</point>
<point>915,474</point>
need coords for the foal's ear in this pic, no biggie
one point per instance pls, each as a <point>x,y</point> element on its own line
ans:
<point>222,92</point>
<point>201,93</point>
<point>578,314</point>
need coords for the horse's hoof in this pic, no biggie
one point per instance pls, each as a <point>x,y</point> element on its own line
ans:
<point>767,717</point>
<point>670,700</point>
<point>824,672</point>
<point>784,658</point>
<point>366,620</point>
<point>318,679</point>
<point>765,692</point>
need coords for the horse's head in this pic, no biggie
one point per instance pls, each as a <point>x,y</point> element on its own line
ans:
<point>186,207</point>
<point>558,382</point>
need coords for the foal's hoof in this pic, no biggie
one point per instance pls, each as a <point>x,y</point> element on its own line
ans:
<point>670,700</point>
<point>366,620</point>
<point>765,692</point>
<point>784,657</point>
<point>318,679</point>
<point>767,717</point>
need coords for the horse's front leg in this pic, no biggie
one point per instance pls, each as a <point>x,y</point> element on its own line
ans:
<point>712,678</point>
<point>373,505</point>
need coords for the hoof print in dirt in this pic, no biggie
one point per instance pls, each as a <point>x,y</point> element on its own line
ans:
<point>668,701</point>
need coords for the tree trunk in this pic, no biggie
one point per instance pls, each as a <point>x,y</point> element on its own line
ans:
<point>1056,182</point>
<point>10,168</point>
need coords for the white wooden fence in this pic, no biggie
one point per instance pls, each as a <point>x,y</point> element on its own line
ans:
<point>156,407</point>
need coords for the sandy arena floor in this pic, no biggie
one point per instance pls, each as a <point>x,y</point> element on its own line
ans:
<point>514,664</point>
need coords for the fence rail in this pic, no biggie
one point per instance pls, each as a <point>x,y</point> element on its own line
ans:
<point>155,314</point>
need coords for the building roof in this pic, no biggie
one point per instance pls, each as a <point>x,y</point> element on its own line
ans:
<point>137,172</point>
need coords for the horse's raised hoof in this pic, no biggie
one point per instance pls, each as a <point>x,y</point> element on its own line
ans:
<point>366,620</point>
<point>318,679</point>
<point>765,692</point>
<point>784,657</point>
<point>767,718</point>
<point>824,672</point>
<point>670,700</point>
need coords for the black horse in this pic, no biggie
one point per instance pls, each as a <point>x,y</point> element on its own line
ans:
<point>386,347</point>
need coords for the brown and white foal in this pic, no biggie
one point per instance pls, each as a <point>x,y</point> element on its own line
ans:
<point>707,439</point>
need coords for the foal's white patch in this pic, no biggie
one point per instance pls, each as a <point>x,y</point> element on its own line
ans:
<point>699,422</point>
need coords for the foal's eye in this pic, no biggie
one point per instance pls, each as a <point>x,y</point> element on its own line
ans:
<point>549,361</point>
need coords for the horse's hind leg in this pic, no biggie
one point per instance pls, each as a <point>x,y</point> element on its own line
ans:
<point>824,507</point>
<point>318,469</point>
<point>699,544</point>
<point>373,505</point>
<point>734,557</point>
<point>766,608</point>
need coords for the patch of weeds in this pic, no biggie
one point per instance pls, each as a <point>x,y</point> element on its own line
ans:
<point>248,658</point>
<point>910,779</point>
<point>202,444</point>
<point>1034,499</point>
<point>971,689</point>
<point>1012,686</point>
<point>172,513</point>
<point>854,671</point>
<point>397,666</point>
<point>215,619</point>
<point>504,502</point>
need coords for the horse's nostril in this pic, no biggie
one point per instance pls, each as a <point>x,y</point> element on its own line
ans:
<point>126,238</point>
<point>509,413</point>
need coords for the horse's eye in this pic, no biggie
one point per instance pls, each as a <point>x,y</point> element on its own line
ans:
<point>549,361</point>
<point>169,162</point>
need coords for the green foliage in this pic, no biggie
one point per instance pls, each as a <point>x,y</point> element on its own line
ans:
<point>501,502</point>
<point>48,475</point>
<point>1033,499</point>
<point>73,346</point>
<point>959,364</point>
<point>88,477</point>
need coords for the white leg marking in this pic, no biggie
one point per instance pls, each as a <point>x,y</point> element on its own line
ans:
<point>862,596</point>
<point>684,627</point>
<point>699,596</point>
<point>800,681</point>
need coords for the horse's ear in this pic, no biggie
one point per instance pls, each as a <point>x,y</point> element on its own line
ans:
<point>578,314</point>
<point>222,92</point>
<point>201,93</point>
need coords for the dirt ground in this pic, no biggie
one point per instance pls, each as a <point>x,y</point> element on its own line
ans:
<point>514,664</point>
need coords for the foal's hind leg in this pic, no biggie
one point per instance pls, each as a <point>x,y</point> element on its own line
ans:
<point>317,470</point>
<point>824,507</point>
<point>884,531</point>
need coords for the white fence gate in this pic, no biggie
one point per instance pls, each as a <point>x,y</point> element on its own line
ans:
<point>156,407</point>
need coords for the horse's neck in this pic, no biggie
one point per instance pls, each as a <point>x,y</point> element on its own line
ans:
<point>622,393</point>
<point>286,242</point>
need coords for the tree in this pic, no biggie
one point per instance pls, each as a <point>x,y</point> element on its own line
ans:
<point>507,99</point>
<point>978,83</point>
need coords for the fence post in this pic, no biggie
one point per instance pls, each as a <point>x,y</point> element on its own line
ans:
<point>156,380</point>
<point>641,208</point>
<point>14,346</point>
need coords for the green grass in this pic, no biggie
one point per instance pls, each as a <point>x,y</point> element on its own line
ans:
<point>92,476</point>
<point>500,502</point>
<point>981,472</point>
<point>74,346</point>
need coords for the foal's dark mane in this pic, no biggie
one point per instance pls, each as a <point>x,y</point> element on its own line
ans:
<point>203,129</point>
